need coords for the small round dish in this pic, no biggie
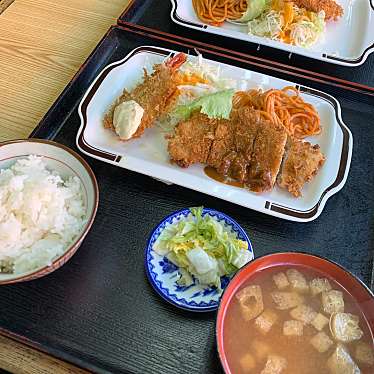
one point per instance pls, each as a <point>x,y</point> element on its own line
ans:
<point>352,285</point>
<point>67,163</point>
<point>163,274</point>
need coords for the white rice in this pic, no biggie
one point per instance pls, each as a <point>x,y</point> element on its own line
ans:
<point>40,214</point>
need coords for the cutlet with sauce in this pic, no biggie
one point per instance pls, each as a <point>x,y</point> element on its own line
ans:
<point>235,163</point>
<point>268,150</point>
<point>223,142</point>
<point>257,153</point>
<point>246,147</point>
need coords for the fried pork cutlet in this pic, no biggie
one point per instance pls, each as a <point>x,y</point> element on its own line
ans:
<point>330,7</point>
<point>235,163</point>
<point>192,140</point>
<point>268,150</point>
<point>257,151</point>
<point>222,144</point>
<point>300,165</point>
<point>246,147</point>
<point>156,94</point>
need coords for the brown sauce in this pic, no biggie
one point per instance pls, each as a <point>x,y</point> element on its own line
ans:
<point>212,173</point>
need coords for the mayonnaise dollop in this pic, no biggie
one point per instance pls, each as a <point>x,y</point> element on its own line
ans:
<point>127,117</point>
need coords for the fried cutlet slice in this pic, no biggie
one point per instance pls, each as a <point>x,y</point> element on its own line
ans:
<point>330,7</point>
<point>223,143</point>
<point>249,149</point>
<point>300,165</point>
<point>268,150</point>
<point>235,164</point>
<point>192,140</point>
<point>246,128</point>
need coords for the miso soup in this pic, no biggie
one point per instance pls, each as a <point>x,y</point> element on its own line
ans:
<point>292,319</point>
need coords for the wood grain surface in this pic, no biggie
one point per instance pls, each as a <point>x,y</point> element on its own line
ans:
<point>17,358</point>
<point>42,45</point>
<point>4,4</point>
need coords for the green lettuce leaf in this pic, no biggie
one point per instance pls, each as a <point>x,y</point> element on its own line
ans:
<point>216,105</point>
<point>254,9</point>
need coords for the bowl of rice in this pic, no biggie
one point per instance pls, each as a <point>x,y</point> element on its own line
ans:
<point>48,201</point>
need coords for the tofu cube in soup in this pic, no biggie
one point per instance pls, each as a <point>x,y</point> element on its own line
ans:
<point>281,281</point>
<point>303,313</point>
<point>266,320</point>
<point>345,327</point>
<point>332,301</point>
<point>319,285</point>
<point>341,362</point>
<point>286,300</point>
<point>364,354</point>
<point>250,300</point>
<point>319,322</point>
<point>274,365</point>
<point>260,349</point>
<point>293,328</point>
<point>321,342</point>
<point>247,363</point>
<point>297,280</point>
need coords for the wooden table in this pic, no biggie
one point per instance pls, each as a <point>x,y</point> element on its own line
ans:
<point>42,45</point>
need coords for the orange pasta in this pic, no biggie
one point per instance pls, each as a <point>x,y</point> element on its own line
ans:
<point>285,107</point>
<point>215,12</point>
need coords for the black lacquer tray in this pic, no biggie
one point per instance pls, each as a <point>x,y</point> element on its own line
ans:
<point>99,312</point>
<point>154,16</point>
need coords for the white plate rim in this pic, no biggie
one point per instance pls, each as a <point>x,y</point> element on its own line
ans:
<point>269,207</point>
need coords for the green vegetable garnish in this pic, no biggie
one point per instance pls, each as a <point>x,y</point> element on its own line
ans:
<point>254,9</point>
<point>203,247</point>
<point>216,105</point>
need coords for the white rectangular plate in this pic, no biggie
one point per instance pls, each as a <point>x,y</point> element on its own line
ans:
<point>148,154</point>
<point>347,41</point>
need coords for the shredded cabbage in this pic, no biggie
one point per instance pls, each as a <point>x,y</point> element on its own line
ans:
<point>210,73</point>
<point>302,29</point>
<point>268,24</point>
<point>203,248</point>
<point>306,33</point>
<point>212,81</point>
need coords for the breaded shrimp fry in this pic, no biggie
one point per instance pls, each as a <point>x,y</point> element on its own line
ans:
<point>155,94</point>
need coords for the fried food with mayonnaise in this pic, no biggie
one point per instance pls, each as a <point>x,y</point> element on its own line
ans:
<point>156,94</point>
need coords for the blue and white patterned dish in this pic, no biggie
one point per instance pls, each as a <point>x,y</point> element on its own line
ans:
<point>163,274</point>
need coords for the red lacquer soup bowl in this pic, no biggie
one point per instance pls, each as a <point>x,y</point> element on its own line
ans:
<point>352,285</point>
